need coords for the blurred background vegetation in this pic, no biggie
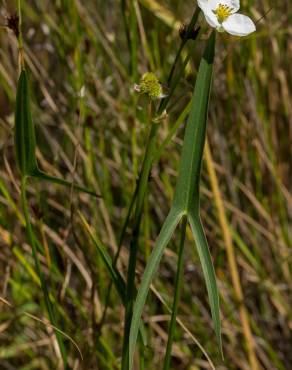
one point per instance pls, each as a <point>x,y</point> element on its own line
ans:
<point>91,127</point>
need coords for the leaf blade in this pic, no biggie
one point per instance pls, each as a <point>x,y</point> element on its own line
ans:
<point>164,237</point>
<point>187,188</point>
<point>24,133</point>
<point>59,181</point>
<point>208,271</point>
<point>112,270</point>
<point>187,193</point>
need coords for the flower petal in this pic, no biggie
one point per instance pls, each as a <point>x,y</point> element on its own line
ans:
<point>211,19</point>
<point>204,4</point>
<point>234,4</point>
<point>208,13</point>
<point>239,25</point>
<point>213,4</point>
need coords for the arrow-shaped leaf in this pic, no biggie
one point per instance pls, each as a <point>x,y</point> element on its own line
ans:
<point>186,201</point>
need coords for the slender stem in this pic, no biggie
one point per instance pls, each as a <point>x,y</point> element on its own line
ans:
<point>142,187</point>
<point>164,103</point>
<point>140,191</point>
<point>143,182</point>
<point>121,239</point>
<point>20,39</point>
<point>177,290</point>
<point>183,43</point>
<point>134,42</point>
<point>31,238</point>
<point>127,28</point>
<point>185,199</point>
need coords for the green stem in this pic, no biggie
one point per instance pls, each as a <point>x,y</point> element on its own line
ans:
<point>142,187</point>
<point>177,290</point>
<point>20,39</point>
<point>164,103</point>
<point>31,238</point>
<point>134,42</point>
<point>183,42</point>
<point>127,28</point>
<point>185,201</point>
<point>121,239</point>
<point>143,183</point>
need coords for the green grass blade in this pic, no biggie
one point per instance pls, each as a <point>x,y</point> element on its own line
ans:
<point>177,293</point>
<point>187,193</point>
<point>187,189</point>
<point>32,241</point>
<point>24,135</point>
<point>164,237</point>
<point>56,180</point>
<point>112,270</point>
<point>115,275</point>
<point>186,199</point>
<point>208,270</point>
<point>25,140</point>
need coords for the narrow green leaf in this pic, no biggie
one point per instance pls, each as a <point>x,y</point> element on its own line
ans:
<point>186,200</point>
<point>187,188</point>
<point>24,134</point>
<point>208,270</point>
<point>187,194</point>
<point>56,180</point>
<point>164,237</point>
<point>25,140</point>
<point>32,240</point>
<point>114,273</point>
<point>112,270</point>
<point>177,293</point>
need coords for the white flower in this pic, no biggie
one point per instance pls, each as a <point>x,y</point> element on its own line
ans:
<point>220,14</point>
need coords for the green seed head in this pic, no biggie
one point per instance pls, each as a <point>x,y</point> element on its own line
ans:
<point>149,85</point>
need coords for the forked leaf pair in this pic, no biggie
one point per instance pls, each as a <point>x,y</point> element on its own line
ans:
<point>25,141</point>
<point>186,201</point>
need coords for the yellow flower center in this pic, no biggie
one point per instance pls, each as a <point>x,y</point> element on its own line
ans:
<point>223,12</point>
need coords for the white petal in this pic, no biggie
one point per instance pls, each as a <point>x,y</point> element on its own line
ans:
<point>204,4</point>
<point>210,17</point>
<point>239,25</point>
<point>214,4</point>
<point>234,4</point>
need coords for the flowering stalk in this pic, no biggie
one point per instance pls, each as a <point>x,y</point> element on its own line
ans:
<point>186,202</point>
<point>130,289</point>
<point>140,194</point>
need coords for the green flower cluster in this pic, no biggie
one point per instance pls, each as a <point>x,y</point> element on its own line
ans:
<point>150,85</point>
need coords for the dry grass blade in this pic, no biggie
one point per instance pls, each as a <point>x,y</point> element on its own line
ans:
<point>47,324</point>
